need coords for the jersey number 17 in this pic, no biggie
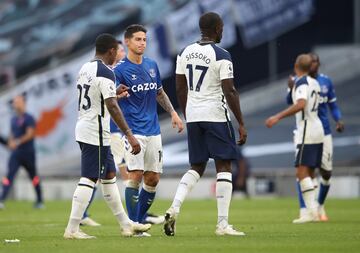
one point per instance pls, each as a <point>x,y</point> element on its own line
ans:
<point>203,70</point>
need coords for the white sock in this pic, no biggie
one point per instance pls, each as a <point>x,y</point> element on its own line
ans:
<point>307,189</point>
<point>81,198</point>
<point>315,182</point>
<point>223,197</point>
<point>187,182</point>
<point>316,187</point>
<point>113,200</point>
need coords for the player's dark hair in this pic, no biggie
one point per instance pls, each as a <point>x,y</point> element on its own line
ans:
<point>104,42</point>
<point>314,56</point>
<point>131,29</point>
<point>209,21</point>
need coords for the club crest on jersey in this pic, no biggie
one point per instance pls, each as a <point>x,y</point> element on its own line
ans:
<point>133,77</point>
<point>324,89</point>
<point>152,72</point>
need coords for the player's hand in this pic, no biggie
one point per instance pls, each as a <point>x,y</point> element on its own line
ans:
<point>12,144</point>
<point>271,121</point>
<point>124,94</point>
<point>176,122</point>
<point>291,81</point>
<point>243,135</point>
<point>122,91</point>
<point>340,127</point>
<point>135,145</point>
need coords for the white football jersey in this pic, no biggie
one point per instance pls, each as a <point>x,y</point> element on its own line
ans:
<point>95,83</point>
<point>308,124</point>
<point>205,65</point>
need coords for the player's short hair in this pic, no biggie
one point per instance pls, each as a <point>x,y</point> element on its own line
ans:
<point>131,29</point>
<point>209,21</point>
<point>104,42</point>
<point>303,62</point>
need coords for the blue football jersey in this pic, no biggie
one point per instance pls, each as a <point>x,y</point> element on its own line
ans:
<point>140,108</point>
<point>327,98</point>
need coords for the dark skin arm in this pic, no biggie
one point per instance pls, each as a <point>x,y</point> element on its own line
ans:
<point>122,91</point>
<point>181,92</point>
<point>233,101</point>
<point>118,117</point>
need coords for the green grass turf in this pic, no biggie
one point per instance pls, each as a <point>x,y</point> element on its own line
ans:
<point>267,223</point>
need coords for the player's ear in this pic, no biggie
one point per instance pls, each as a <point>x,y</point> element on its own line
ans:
<point>127,42</point>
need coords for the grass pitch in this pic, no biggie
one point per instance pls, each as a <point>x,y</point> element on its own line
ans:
<point>266,222</point>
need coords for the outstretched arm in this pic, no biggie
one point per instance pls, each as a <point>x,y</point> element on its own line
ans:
<point>163,99</point>
<point>291,110</point>
<point>233,100</point>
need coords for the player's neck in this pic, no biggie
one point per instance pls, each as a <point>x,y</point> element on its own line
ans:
<point>135,58</point>
<point>101,58</point>
<point>207,39</point>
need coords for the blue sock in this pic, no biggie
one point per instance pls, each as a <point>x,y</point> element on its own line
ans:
<point>323,191</point>
<point>86,214</point>
<point>131,199</point>
<point>145,201</point>
<point>300,196</point>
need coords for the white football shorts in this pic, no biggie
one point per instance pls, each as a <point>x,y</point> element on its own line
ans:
<point>327,155</point>
<point>150,157</point>
<point>117,145</point>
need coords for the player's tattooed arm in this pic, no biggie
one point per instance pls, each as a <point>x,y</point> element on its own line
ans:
<point>164,101</point>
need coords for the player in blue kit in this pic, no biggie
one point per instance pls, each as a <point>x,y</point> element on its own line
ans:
<point>21,143</point>
<point>141,75</point>
<point>327,101</point>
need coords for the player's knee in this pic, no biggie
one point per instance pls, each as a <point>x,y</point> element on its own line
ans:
<point>326,175</point>
<point>151,179</point>
<point>199,168</point>
<point>135,175</point>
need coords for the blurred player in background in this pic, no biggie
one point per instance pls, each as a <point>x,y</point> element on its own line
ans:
<point>141,75</point>
<point>309,132</point>
<point>327,100</point>
<point>21,142</point>
<point>97,101</point>
<point>204,85</point>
